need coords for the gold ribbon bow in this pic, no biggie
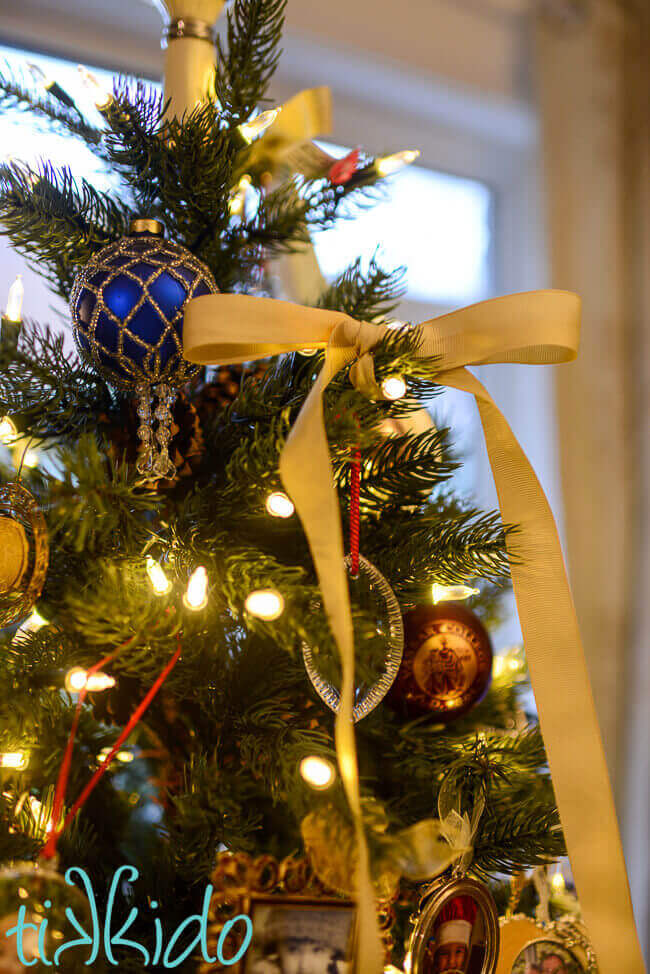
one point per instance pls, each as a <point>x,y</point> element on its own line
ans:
<point>540,327</point>
<point>300,120</point>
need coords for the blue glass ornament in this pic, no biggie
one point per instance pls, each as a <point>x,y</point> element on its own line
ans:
<point>127,310</point>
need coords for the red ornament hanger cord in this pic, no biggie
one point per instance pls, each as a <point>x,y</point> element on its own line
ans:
<point>355,490</point>
<point>49,849</point>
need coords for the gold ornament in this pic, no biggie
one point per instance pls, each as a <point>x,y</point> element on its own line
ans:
<point>525,943</point>
<point>24,552</point>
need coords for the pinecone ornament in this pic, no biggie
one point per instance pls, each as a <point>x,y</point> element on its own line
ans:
<point>224,386</point>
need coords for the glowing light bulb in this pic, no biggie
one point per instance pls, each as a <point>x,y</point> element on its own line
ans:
<point>237,203</point>
<point>393,387</point>
<point>279,505</point>
<point>39,76</point>
<point>307,352</point>
<point>451,593</point>
<point>196,596</point>
<point>252,130</point>
<point>265,603</point>
<point>77,678</point>
<point>101,96</point>
<point>8,431</point>
<point>16,760</point>
<point>319,773</point>
<point>15,301</point>
<point>32,623</point>
<point>387,165</point>
<point>29,459</point>
<point>498,667</point>
<point>159,581</point>
<point>557,881</point>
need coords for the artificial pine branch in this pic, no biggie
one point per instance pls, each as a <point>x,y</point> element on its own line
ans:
<point>248,59</point>
<point>15,95</point>
<point>57,221</point>
<point>367,295</point>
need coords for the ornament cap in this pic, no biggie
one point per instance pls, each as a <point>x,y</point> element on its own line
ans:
<point>145,225</point>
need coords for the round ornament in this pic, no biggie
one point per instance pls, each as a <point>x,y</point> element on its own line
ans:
<point>531,947</point>
<point>24,552</point>
<point>447,664</point>
<point>127,305</point>
<point>373,592</point>
<point>33,895</point>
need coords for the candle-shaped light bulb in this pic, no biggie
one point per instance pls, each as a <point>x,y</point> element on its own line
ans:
<point>196,596</point>
<point>39,75</point>
<point>77,678</point>
<point>101,96</point>
<point>237,203</point>
<point>159,581</point>
<point>451,593</point>
<point>15,301</point>
<point>14,760</point>
<point>8,430</point>
<point>318,772</point>
<point>252,130</point>
<point>387,165</point>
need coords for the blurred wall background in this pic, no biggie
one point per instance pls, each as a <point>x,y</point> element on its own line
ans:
<point>545,102</point>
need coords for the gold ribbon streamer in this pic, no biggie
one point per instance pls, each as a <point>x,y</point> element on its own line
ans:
<point>540,327</point>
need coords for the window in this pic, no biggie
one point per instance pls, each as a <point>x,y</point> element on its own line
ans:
<point>436,225</point>
<point>22,137</point>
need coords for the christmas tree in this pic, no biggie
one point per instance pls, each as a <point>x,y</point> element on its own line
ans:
<point>235,753</point>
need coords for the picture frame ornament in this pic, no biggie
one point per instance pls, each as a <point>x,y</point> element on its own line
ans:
<point>519,931</point>
<point>240,881</point>
<point>434,898</point>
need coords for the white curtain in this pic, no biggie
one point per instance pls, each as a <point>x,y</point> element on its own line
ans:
<point>594,95</point>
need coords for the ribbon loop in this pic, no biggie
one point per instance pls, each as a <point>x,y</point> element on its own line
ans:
<point>540,328</point>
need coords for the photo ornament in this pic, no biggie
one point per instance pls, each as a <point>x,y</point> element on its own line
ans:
<point>456,931</point>
<point>294,935</point>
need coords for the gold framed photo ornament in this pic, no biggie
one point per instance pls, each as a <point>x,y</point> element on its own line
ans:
<point>529,947</point>
<point>456,930</point>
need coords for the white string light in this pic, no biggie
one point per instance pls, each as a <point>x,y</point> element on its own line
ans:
<point>387,165</point>
<point>196,595</point>
<point>393,387</point>
<point>252,130</point>
<point>77,678</point>
<point>8,430</point>
<point>159,581</point>
<point>451,593</point>
<point>318,772</point>
<point>15,760</point>
<point>14,308</point>
<point>237,205</point>
<point>101,96</point>
<point>265,603</point>
<point>278,504</point>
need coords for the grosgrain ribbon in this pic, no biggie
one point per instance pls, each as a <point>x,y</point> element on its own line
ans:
<point>306,115</point>
<point>539,327</point>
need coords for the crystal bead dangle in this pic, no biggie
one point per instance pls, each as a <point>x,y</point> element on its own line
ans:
<point>145,462</point>
<point>162,464</point>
